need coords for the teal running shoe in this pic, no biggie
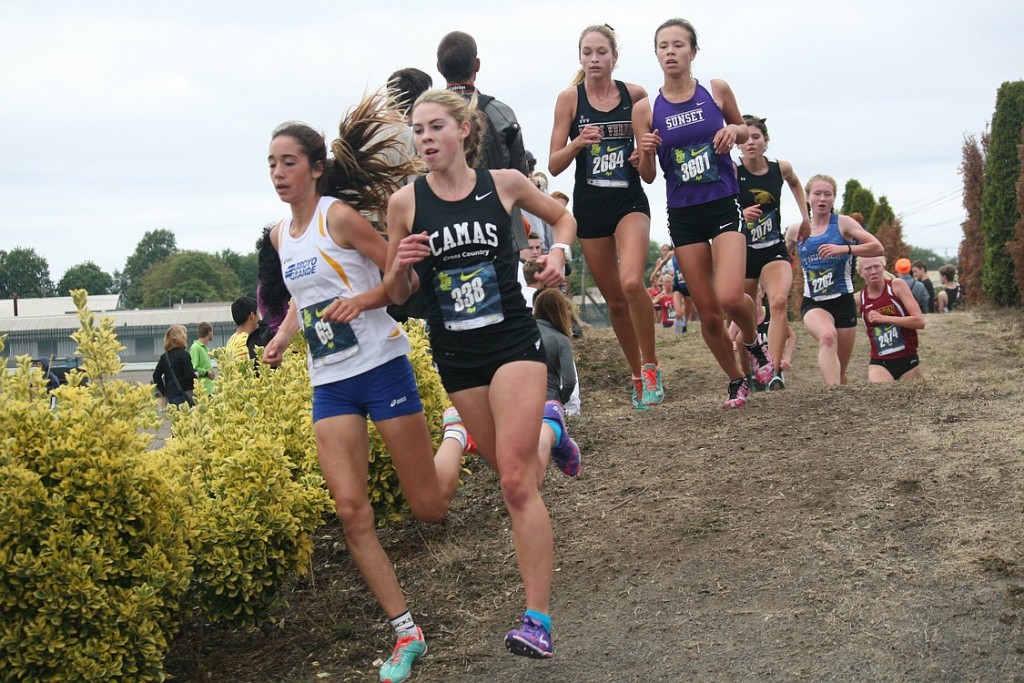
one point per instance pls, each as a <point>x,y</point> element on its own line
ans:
<point>407,650</point>
<point>638,395</point>
<point>653,391</point>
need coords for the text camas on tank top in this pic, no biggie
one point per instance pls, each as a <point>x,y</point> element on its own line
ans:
<point>470,278</point>
<point>694,172</point>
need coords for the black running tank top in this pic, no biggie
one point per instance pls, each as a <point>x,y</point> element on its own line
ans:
<point>605,180</point>
<point>765,190</point>
<point>470,279</point>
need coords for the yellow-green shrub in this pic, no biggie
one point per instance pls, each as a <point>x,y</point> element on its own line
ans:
<point>256,494</point>
<point>93,552</point>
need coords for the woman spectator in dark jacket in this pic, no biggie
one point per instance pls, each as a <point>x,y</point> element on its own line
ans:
<point>174,376</point>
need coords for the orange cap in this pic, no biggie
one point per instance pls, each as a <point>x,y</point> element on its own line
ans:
<point>903,266</point>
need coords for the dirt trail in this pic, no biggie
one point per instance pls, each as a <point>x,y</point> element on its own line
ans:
<point>859,533</point>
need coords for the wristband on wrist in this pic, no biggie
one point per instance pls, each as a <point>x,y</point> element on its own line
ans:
<point>565,248</point>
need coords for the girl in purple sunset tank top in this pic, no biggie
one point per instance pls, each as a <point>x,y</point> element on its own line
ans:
<point>690,131</point>
<point>695,173</point>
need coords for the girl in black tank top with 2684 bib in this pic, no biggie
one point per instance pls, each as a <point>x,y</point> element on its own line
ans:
<point>593,127</point>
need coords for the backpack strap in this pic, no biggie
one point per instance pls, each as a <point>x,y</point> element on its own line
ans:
<point>174,377</point>
<point>486,104</point>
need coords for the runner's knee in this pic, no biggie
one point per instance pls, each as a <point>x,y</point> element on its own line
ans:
<point>429,511</point>
<point>518,487</point>
<point>828,338</point>
<point>355,514</point>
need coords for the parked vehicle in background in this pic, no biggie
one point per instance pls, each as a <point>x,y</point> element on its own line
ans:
<point>62,366</point>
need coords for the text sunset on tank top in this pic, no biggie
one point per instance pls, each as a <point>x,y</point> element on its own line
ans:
<point>694,172</point>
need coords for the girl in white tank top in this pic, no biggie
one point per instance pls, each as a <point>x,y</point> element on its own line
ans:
<point>331,258</point>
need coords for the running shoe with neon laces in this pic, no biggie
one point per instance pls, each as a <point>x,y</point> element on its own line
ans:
<point>738,393</point>
<point>531,639</point>
<point>778,383</point>
<point>653,391</point>
<point>761,365</point>
<point>638,394</point>
<point>407,650</point>
<point>565,453</point>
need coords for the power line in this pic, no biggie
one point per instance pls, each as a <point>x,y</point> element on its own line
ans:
<point>961,219</point>
<point>936,196</point>
<point>938,201</point>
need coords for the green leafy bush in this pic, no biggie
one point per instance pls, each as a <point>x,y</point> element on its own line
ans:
<point>101,539</point>
<point>248,461</point>
<point>94,558</point>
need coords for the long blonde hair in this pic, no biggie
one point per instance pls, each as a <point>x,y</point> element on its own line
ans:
<point>606,31</point>
<point>359,170</point>
<point>462,111</point>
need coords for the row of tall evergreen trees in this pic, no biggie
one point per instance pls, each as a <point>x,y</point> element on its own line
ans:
<point>992,250</point>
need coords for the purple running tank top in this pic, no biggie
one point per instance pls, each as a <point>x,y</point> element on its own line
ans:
<point>694,172</point>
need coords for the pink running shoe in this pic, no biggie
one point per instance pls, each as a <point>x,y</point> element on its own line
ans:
<point>738,393</point>
<point>761,365</point>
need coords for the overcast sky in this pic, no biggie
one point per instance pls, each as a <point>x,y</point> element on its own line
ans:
<point>117,118</point>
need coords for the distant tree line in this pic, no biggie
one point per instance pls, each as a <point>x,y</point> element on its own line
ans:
<point>156,274</point>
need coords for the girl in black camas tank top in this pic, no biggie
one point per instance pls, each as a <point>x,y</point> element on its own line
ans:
<point>450,234</point>
<point>470,241</point>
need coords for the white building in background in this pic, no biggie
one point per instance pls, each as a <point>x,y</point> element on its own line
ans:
<point>43,327</point>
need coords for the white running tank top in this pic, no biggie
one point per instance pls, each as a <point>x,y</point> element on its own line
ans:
<point>317,271</point>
